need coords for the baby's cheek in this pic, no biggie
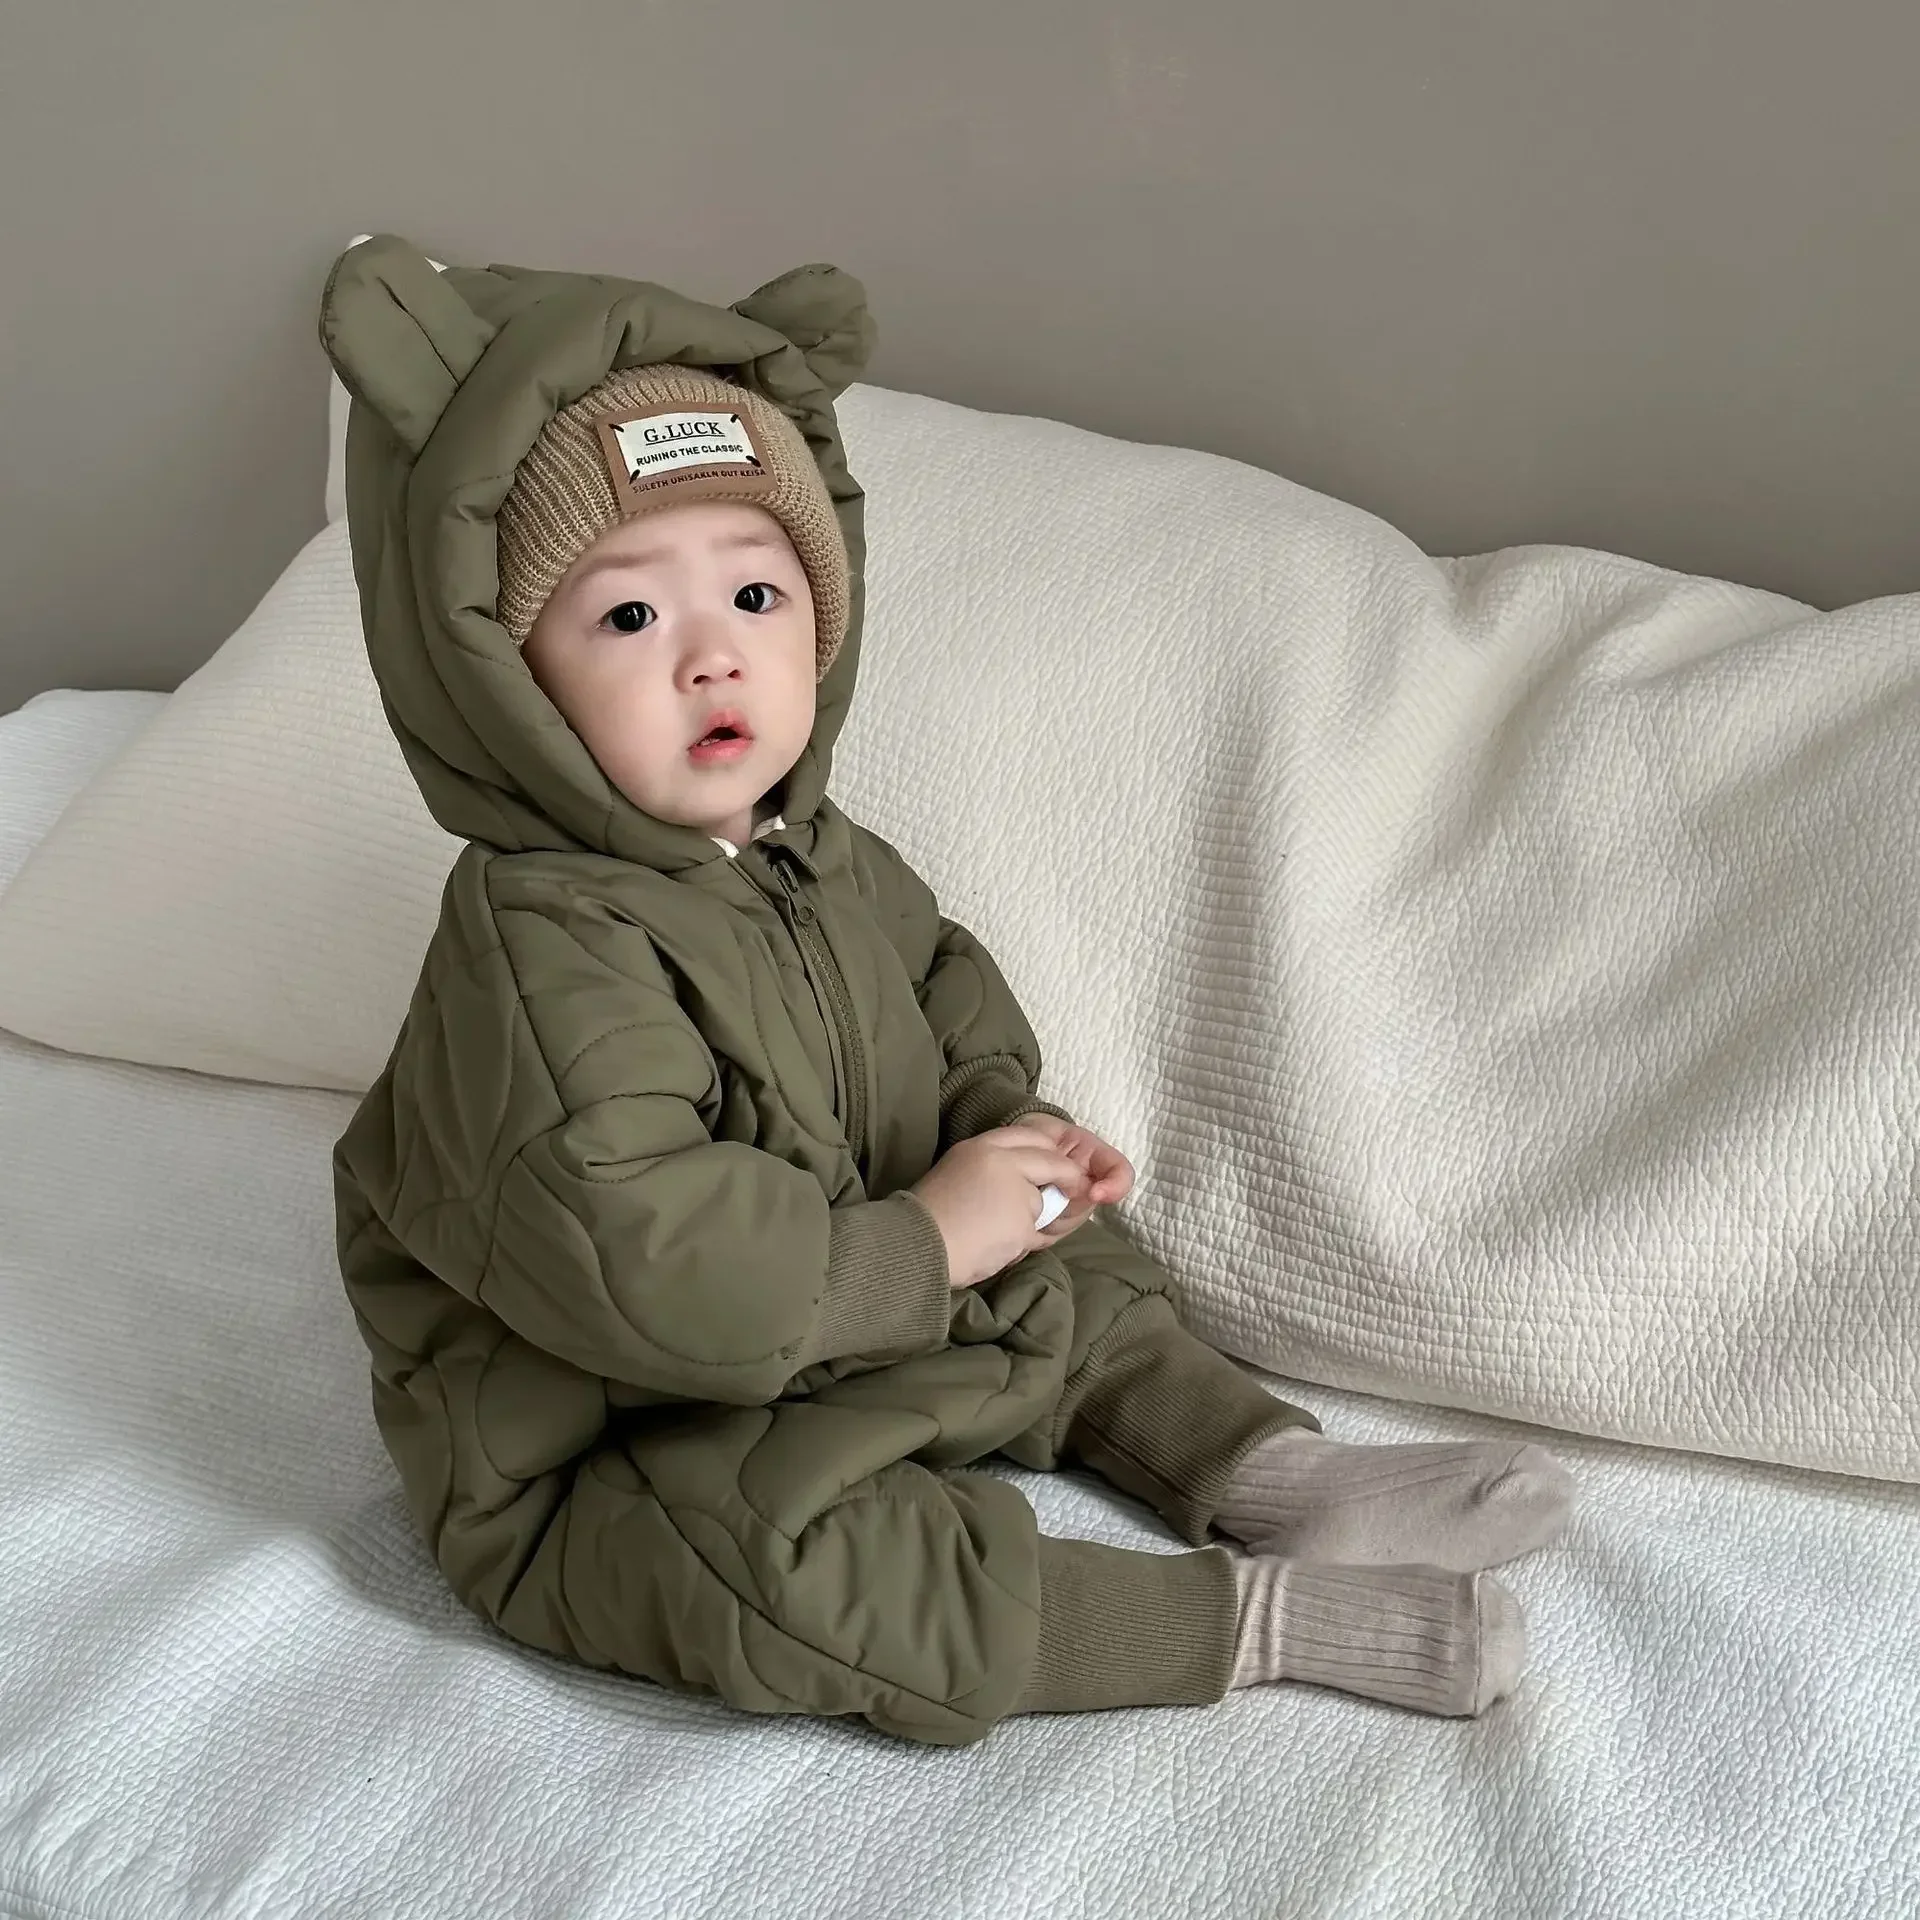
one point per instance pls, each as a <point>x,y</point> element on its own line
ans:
<point>634,763</point>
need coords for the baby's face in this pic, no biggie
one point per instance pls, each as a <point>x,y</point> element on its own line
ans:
<point>686,620</point>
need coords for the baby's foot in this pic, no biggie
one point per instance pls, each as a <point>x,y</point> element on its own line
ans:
<point>1419,1637</point>
<point>1460,1506</point>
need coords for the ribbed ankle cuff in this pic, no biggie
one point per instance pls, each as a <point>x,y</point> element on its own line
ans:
<point>1167,1418</point>
<point>1121,1628</point>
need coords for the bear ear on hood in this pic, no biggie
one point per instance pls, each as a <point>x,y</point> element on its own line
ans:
<point>400,338</point>
<point>823,311</point>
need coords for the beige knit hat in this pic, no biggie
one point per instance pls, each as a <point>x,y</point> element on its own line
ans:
<point>652,437</point>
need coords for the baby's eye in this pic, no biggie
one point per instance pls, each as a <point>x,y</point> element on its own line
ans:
<point>758,598</point>
<point>630,616</point>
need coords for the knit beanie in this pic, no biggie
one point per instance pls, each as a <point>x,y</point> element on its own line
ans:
<point>653,437</point>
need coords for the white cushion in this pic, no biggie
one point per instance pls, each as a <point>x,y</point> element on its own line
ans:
<point>247,889</point>
<point>1503,970</point>
<point>49,750</point>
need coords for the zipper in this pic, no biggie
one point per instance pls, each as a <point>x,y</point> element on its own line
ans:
<point>830,988</point>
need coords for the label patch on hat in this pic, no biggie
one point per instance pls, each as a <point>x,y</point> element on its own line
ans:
<point>671,445</point>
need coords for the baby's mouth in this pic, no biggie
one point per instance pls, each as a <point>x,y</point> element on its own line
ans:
<point>727,737</point>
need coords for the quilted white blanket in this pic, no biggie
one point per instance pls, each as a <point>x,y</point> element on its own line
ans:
<point>231,1685</point>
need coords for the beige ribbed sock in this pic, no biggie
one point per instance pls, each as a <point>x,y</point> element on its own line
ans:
<point>1419,1637</point>
<point>1459,1506</point>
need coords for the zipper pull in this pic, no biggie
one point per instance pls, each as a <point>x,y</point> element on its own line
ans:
<point>800,909</point>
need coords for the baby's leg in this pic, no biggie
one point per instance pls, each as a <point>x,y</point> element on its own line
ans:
<point>1153,1410</point>
<point>1176,1423</point>
<point>1419,1637</point>
<point>790,1559</point>
<point>1454,1505</point>
<point>1416,1637</point>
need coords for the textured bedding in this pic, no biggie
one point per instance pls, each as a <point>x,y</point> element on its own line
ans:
<point>232,1685</point>
<point>1505,971</point>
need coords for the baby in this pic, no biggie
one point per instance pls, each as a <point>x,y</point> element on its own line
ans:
<point>694,1225</point>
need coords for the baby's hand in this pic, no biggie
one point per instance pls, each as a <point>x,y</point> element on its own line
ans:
<point>1109,1172</point>
<point>984,1196</point>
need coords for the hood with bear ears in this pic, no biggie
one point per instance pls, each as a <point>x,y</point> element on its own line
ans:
<point>452,374</point>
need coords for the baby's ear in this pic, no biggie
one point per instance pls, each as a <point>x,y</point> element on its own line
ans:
<point>824,313</point>
<point>400,338</point>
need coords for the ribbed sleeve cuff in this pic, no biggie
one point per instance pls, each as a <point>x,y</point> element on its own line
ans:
<point>1122,1628</point>
<point>985,1094</point>
<point>887,1282</point>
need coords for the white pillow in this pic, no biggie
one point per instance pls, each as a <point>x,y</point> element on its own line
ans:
<point>49,750</point>
<point>1502,970</point>
<point>247,888</point>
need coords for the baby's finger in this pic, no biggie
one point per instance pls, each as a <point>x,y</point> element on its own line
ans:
<point>1046,1167</point>
<point>1071,1178</point>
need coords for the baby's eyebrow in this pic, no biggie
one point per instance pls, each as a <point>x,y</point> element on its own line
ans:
<point>647,556</point>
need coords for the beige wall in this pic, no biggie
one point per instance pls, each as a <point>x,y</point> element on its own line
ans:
<point>1639,275</point>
